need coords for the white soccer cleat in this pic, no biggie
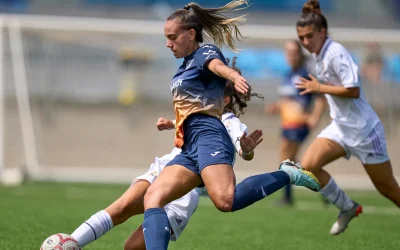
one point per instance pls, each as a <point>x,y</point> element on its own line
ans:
<point>344,219</point>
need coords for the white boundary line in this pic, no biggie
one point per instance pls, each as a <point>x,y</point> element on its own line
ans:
<point>120,174</point>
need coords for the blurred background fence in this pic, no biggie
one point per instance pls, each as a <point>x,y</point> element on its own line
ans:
<point>81,95</point>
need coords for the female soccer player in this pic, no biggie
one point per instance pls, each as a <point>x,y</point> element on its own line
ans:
<point>355,128</point>
<point>179,211</point>
<point>297,112</point>
<point>207,152</point>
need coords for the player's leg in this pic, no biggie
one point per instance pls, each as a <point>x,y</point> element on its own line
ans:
<point>179,213</point>
<point>382,177</point>
<point>136,240</point>
<point>219,180</point>
<point>174,182</point>
<point>373,154</point>
<point>228,198</point>
<point>215,159</point>
<point>325,149</point>
<point>128,205</point>
<point>321,152</point>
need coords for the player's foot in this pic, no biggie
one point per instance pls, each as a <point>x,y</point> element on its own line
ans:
<point>344,219</point>
<point>299,176</point>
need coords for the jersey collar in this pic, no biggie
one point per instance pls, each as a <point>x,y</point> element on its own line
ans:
<point>226,116</point>
<point>321,54</point>
<point>191,55</point>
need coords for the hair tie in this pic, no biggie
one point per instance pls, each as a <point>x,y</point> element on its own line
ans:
<point>187,7</point>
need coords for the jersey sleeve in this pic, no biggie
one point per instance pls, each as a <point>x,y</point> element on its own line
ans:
<point>206,54</point>
<point>235,129</point>
<point>346,70</point>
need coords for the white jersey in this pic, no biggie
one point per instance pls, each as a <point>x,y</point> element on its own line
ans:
<point>354,117</point>
<point>235,128</point>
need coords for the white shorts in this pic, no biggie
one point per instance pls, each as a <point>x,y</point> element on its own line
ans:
<point>178,211</point>
<point>372,150</point>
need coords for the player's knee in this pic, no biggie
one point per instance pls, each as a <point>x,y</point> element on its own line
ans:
<point>152,198</point>
<point>223,198</point>
<point>223,203</point>
<point>224,206</point>
<point>311,164</point>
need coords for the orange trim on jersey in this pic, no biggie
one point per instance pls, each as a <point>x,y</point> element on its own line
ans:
<point>186,107</point>
<point>292,125</point>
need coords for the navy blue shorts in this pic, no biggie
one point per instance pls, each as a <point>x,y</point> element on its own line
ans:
<point>296,134</point>
<point>206,142</point>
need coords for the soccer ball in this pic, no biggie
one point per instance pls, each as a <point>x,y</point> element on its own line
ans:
<point>60,242</point>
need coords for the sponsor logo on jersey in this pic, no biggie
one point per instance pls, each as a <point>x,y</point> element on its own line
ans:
<point>176,84</point>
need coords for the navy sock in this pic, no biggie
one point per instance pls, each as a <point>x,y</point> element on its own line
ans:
<point>257,187</point>
<point>156,229</point>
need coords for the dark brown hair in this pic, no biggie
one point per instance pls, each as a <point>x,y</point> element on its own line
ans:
<point>238,101</point>
<point>312,15</point>
<point>222,29</point>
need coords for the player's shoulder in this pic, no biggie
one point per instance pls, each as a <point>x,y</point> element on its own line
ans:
<point>230,120</point>
<point>228,117</point>
<point>208,49</point>
<point>335,50</point>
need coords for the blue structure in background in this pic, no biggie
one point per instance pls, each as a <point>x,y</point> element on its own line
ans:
<point>14,6</point>
<point>263,5</point>
<point>268,64</point>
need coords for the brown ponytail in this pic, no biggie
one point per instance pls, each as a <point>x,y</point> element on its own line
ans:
<point>312,6</point>
<point>222,29</point>
<point>312,15</point>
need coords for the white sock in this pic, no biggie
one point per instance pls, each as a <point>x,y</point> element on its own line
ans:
<point>337,196</point>
<point>92,229</point>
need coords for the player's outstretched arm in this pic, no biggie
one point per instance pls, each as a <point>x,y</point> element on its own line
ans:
<point>314,86</point>
<point>248,143</point>
<point>220,69</point>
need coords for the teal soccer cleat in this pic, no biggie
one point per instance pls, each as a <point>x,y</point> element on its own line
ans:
<point>299,176</point>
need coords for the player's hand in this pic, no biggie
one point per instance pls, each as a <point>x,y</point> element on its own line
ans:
<point>164,124</point>
<point>249,142</point>
<point>239,82</point>
<point>309,86</point>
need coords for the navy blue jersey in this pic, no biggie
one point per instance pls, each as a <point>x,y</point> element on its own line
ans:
<point>195,89</point>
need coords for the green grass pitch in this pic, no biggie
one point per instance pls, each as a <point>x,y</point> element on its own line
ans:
<point>33,211</point>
